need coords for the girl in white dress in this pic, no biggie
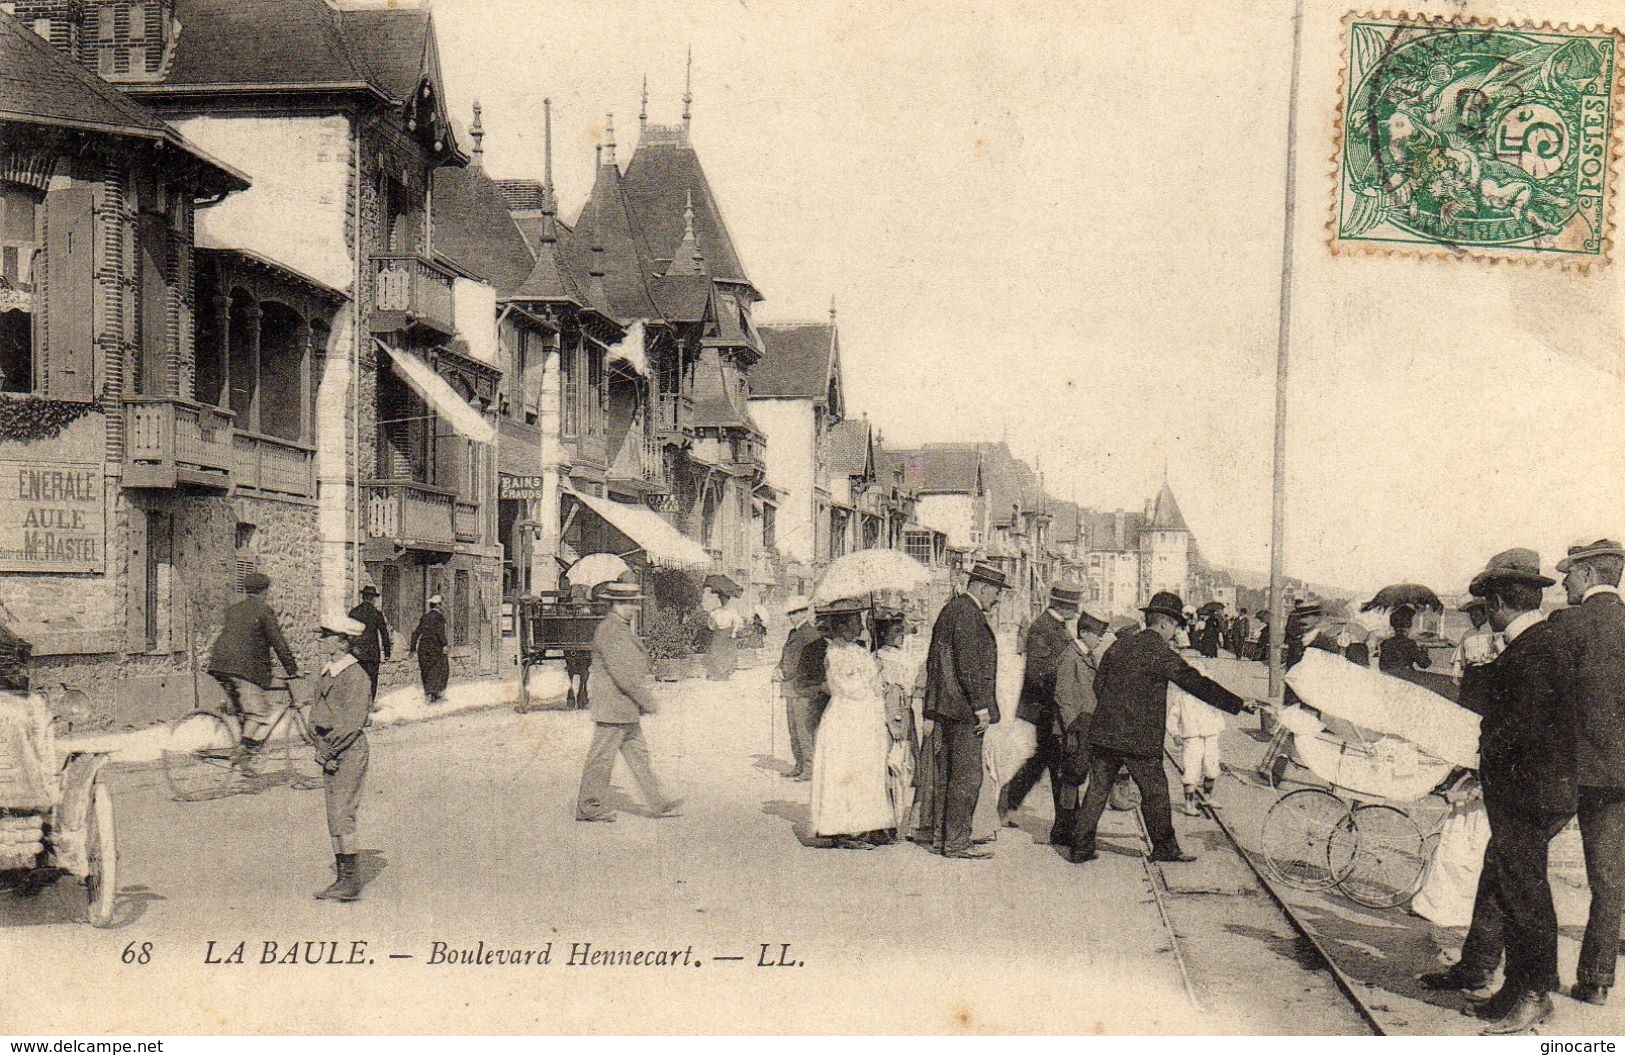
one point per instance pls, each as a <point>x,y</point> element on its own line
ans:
<point>849,795</point>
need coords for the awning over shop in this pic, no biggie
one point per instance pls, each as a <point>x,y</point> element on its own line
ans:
<point>418,374</point>
<point>664,545</point>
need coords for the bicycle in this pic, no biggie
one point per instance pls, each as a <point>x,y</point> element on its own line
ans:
<point>203,756</point>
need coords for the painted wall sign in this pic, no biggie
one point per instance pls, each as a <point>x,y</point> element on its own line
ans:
<point>512,487</point>
<point>53,517</point>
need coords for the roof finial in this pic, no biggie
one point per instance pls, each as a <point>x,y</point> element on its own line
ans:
<point>550,209</point>
<point>688,92</point>
<point>609,134</point>
<point>688,259</point>
<point>477,130</point>
<point>832,308</point>
<point>643,112</point>
<point>688,213</point>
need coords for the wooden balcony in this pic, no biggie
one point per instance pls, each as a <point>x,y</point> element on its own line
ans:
<point>274,467</point>
<point>412,515</point>
<point>410,291</point>
<point>673,412</point>
<point>641,463</point>
<point>176,443</point>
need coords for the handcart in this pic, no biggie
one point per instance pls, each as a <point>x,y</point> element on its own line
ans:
<point>552,626</point>
<point>1383,751</point>
<point>56,812</point>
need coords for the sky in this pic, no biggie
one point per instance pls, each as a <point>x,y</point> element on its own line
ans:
<point>1060,224</point>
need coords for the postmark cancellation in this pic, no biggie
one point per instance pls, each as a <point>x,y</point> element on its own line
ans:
<point>1460,137</point>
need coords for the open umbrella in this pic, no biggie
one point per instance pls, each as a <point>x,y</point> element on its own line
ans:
<point>870,571</point>
<point>723,586</point>
<point>1405,593</point>
<point>595,568</point>
<point>1210,607</point>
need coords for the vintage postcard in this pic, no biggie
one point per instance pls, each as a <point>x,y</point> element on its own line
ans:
<point>541,517</point>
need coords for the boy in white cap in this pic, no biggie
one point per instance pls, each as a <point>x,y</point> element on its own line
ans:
<point>339,718</point>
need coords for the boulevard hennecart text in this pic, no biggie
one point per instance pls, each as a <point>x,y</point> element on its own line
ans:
<point>481,953</point>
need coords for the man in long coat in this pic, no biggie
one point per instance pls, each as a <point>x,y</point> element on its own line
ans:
<point>1048,639</point>
<point>1526,770</point>
<point>429,642</point>
<point>961,671</point>
<point>1594,631</point>
<point>1241,631</point>
<point>374,644</point>
<point>1131,721</point>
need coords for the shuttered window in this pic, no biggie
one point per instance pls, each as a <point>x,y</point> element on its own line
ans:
<point>71,270</point>
<point>153,235</point>
<point>459,608</point>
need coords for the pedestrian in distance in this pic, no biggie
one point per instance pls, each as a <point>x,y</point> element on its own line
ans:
<point>1593,628</point>
<point>1473,655</point>
<point>961,670</point>
<point>375,644</point>
<point>1130,725</point>
<point>241,663</point>
<point>850,806</point>
<point>621,697</point>
<point>1527,773</point>
<point>1048,639</point>
<point>339,715</point>
<point>429,643</point>
<point>1400,655</point>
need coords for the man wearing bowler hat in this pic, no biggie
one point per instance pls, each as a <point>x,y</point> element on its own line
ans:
<point>1593,628</point>
<point>374,645</point>
<point>961,677</point>
<point>1131,721</point>
<point>1048,639</point>
<point>1526,770</point>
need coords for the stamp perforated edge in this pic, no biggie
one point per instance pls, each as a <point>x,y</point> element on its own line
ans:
<point>1481,257</point>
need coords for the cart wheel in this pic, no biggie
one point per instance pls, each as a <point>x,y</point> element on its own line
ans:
<point>197,757</point>
<point>1297,839</point>
<point>101,849</point>
<point>1387,854</point>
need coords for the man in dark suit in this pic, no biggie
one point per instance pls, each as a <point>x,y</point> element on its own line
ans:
<point>374,645</point>
<point>799,699</point>
<point>1130,724</point>
<point>961,672</point>
<point>1526,769</point>
<point>1593,627</point>
<point>1241,631</point>
<point>1048,639</point>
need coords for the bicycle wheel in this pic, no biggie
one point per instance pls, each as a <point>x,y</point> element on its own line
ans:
<point>1387,855</point>
<point>298,749</point>
<point>1296,839</point>
<point>197,756</point>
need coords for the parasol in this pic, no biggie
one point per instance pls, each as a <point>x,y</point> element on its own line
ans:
<point>870,571</point>
<point>1406,593</point>
<point>723,586</point>
<point>596,568</point>
<point>1210,607</point>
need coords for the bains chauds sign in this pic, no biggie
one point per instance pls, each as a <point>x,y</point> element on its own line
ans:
<point>53,517</point>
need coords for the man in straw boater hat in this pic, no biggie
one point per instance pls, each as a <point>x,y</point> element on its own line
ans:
<point>1526,770</point>
<point>1593,628</point>
<point>1048,639</point>
<point>1130,724</point>
<point>803,699</point>
<point>621,697</point>
<point>338,718</point>
<point>961,680</point>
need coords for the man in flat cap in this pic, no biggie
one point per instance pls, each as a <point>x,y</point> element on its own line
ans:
<point>429,642</point>
<point>1526,770</point>
<point>241,663</point>
<point>961,679</point>
<point>338,718</point>
<point>1130,724</point>
<point>1593,627</point>
<point>375,644</point>
<point>1048,639</point>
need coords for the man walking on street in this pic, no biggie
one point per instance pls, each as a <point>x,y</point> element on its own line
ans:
<point>799,698</point>
<point>1593,629</point>
<point>338,718</point>
<point>429,642</point>
<point>1526,770</point>
<point>1131,721</point>
<point>374,645</point>
<point>961,669</point>
<point>241,663</point>
<point>1048,639</point>
<point>620,674</point>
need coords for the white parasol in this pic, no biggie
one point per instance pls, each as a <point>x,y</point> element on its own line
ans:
<point>868,572</point>
<point>596,568</point>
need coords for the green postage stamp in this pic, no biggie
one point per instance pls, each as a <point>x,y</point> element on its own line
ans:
<point>1463,138</point>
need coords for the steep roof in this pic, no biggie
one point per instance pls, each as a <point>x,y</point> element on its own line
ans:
<point>1067,527</point>
<point>1116,531</point>
<point>1009,480</point>
<point>798,361</point>
<point>714,406</point>
<point>850,447</point>
<point>522,195</point>
<point>395,47</point>
<point>606,222</point>
<point>1165,515</point>
<point>40,86</point>
<point>473,230</point>
<point>659,180</point>
<point>936,471</point>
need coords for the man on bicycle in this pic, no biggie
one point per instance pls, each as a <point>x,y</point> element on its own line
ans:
<point>241,662</point>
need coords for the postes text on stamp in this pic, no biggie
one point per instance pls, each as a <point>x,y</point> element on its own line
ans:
<point>1463,138</point>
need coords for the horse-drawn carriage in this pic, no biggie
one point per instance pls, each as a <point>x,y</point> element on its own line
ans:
<point>56,812</point>
<point>553,626</point>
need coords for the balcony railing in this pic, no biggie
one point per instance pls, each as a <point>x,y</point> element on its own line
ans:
<point>172,442</point>
<point>409,290</point>
<point>673,411</point>
<point>465,519</point>
<point>414,515</point>
<point>275,466</point>
<point>641,460</point>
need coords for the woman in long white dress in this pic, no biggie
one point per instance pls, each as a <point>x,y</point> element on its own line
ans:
<point>849,796</point>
